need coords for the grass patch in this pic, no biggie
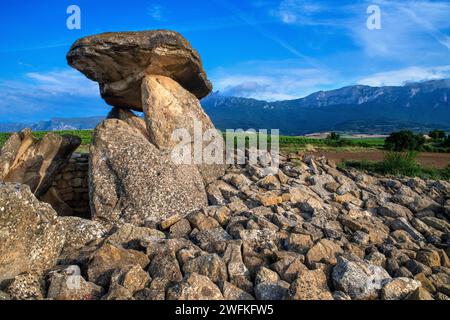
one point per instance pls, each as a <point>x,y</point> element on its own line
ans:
<point>399,164</point>
<point>84,135</point>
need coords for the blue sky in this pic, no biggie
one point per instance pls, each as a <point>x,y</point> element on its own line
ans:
<point>263,49</point>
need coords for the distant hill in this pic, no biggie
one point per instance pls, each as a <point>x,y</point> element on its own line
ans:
<point>55,124</point>
<point>365,109</point>
<point>355,109</point>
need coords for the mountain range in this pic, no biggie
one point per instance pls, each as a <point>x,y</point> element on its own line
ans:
<point>419,106</point>
<point>359,109</point>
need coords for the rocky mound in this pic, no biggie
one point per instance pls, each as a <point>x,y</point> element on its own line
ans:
<point>181,232</point>
<point>308,232</point>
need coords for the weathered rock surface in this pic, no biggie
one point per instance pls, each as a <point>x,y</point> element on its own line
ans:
<point>132,181</point>
<point>68,284</point>
<point>195,287</point>
<point>311,243</point>
<point>119,61</point>
<point>31,237</point>
<point>359,279</point>
<point>33,162</point>
<point>169,107</point>
<point>310,285</point>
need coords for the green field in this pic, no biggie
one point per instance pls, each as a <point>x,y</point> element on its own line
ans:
<point>85,136</point>
<point>287,143</point>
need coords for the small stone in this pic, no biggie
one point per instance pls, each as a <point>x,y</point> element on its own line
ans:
<point>210,265</point>
<point>268,286</point>
<point>416,267</point>
<point>181,229</point>
<point>429,258</point>
<point>132,277</point>
<point>165,266</point>
<point>359,279</point>
<point>310,285</point>
<point>221,214</point>
<point>325,251</point>
<point>394,210</point>
<point>233,293</point>
<point>269,183</point>
<point>420,294</point>
<point>27,286</point>
<point>195,287</point>
<point>399,288</point>
<point>70,285</point>
<point>299,243</point>
<point>269,199</point>
<point>202,222</point>
<point>109,258</point>
<point>166,224</point>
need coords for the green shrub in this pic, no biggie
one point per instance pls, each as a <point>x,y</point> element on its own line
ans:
<point>404,141</point>
<point>400,163</point>
<point>445,173</point>
<point>437,135</point>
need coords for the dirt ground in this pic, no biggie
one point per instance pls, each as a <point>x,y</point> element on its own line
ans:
<point>428,159</point>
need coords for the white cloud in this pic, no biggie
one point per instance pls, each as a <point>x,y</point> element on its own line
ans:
<point>408,27</point>
<point>400,77</point>
<point>411,30</point>
<point>156,12</point>
<point>298,11</point>
<point>37,94</point>
<point>271,80</point>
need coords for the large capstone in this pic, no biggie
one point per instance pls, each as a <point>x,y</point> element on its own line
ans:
<point>119,61</point>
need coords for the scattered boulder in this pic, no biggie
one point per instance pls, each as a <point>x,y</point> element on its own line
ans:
<point>399,288</point>
<point>195,287</point>
<point>108,258</point>
<point>27,286</point>
<point>34,162</point>
<point>31,236</point>
<point>68,284</point>
<point>310,285</point>
<point>268,285</point>
<point>359,279</point>
<point>325,251</point>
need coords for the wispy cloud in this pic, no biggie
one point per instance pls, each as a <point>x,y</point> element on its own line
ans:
<point>156,12</point>
<point>60,93</point>
<point>301,12</point>
<point>411,30</point>
<point>272,80</point>
<point>402,76</point>
<point>408,27</point>
<point>267,33</point>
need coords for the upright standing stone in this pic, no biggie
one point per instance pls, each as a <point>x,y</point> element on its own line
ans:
<point>168,107</point>
<point>132,181</point>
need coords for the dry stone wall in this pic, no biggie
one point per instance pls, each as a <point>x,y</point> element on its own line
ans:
<point>72,185</point>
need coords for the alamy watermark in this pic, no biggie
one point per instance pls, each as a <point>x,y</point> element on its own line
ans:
<point>198,147</point>
<point>374,20</point>
<point>73,22</point>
